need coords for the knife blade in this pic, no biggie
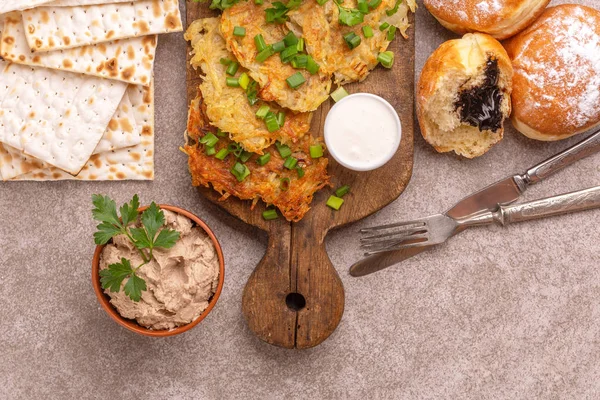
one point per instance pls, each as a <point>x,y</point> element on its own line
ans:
<point>502,192</point>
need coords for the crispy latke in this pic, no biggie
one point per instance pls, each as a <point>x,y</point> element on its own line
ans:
<point>272,74</point>
<point>320,28</point>
<point>227,107</point>
<point>273,183</point>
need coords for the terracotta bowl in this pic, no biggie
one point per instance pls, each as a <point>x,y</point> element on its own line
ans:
<point>132,325</point>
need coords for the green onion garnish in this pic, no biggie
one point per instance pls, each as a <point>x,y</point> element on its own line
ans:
<point>296,80</point>
<point>300,61</point>
<point>316,151</point>
<point>239,31</point>
<point>259,2</point>
<point>384,26</point>
<point>362,6</point>
<point>222,154</point>
<point>311,66</point>
<point>290,39</point>
<point>263,111</point>
<point>263,55</point>
<point>374,3</point>
<point>281,119</point>
<point>335,202</point>
<point>262,160</point>
<point>225,61</point>
<point>244,81</point>
<point>300,45</point>
<point>220,133</point>
<point>233,82</point>
<point>245,156</point>
<point>393,10</point>
<point>260,43</point>
<point>240,171</point>
<point>287,54</point>
<point>290,162</point>
<point>339,94</point>
<point>211,151</point>
<point>284,184</point>
<point>352,40</point>
<point>210,140</point>
<point>271,122</point>
<point>391,34</point>
<point>367,31</point>
<point>233,147</point>
<point>300,171</point>
<point>279,46</point>
<point>233,68</point>
<point>386,59</point>
<point>270,215</point>
<point>284,151</point>
<point>341,192</point>
<point>321,2</point>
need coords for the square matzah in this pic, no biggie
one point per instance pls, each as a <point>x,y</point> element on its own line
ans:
<point>133,163</point>
<point>57,117</point>
<point>71,3</point>
<point>14,5</point>
<point>53,28</point>
<point>128,60</point>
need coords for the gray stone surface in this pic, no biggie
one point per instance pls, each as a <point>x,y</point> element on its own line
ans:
<point>496,313</point>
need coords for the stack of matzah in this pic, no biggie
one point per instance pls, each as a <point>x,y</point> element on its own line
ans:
<point>76,88</point>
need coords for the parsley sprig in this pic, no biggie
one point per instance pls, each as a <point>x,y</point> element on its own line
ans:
<point>145,238</point>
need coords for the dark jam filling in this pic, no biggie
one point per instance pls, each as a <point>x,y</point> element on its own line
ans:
<point>480,106</point>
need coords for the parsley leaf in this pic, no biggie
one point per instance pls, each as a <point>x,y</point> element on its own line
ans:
<point>129,212</point>
<point>112,277</point>
<point>105,210</point>
<point>141,239</point>
<point>166,238</point>
<point>134,287</point>
<point>152,219</point>
<point>106,232</point>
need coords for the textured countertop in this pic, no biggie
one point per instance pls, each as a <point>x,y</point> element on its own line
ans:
<point>496,313</point>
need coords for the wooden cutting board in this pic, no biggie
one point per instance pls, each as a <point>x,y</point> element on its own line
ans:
<point>295,298</point>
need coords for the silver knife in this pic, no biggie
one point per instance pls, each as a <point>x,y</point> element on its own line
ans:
<point>502,192</point>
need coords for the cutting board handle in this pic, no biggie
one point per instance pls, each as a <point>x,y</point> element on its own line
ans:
<point>294,298</point>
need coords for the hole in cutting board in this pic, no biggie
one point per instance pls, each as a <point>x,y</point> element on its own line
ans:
<point>295,301</point>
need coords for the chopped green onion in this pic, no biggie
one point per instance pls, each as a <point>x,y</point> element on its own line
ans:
<point>259,2</point>
<point>239,31</point>
<point>363,6</point>
<point>316,151</point>
<point>270,215</point>
<point>244,80</point>
<point>290,162</point>
<point>240,171</point>
<point>225,61</point>
<point>263,111</point>
<point>288,53</point>
<point>281,119</point>
<point>394,10</point>
<point>271,122</point>
<point>220,133</point>
<point>339,94</point>
<point>321,2</point>
<point>384,26</point>
<point>211,151</point>
<point>233,82</point>
<point>386,59</point>
<point>311,66</point>
<point>222,154</point>
<point>284,184</point>
<point>262,160</point>
<point>263,55</point>
<point>296,80</point>
<point>260,43</point>
<point>341,192</point>
<point>391,34</point>
<point>300,45</point>
<point>300,171</point>
<point>352,40</point>
<point>233,147</point>
<point>233,68</point>
<point>279,46</point>
<point>374,3</point>
<point>210,140</point>
<point>335,202</point>
<point>300,61</point>
<point>367,31</point>
<point>290,39</point>
<point>284,151</point>
<point>245,156</point>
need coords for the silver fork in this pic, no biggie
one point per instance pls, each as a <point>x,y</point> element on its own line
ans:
<point>438,228</point>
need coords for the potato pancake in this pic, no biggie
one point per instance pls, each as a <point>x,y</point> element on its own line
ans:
<point>272,73</point>
<point>272,182</point>
<point>227,107</point>
<point>323,33</point>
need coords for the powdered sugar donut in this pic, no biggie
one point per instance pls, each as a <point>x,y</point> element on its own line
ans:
<point>556,86</point>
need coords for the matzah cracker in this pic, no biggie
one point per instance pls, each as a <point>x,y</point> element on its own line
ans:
<point>53,28</point>
<point>134,163</point>
<point>14,5</point>
<point>72,3</point>
<point>57,117</point>
<point>128,60</point>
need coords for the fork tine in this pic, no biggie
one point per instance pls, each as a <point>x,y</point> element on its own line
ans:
<point>396,248</point>
<point>405,225</point>
<point>401,233</point>
<point>388,243</point>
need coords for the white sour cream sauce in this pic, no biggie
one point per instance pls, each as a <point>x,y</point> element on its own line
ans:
<point>362,132</point>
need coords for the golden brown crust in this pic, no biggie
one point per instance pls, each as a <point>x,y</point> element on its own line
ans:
<point>500,19</point>
<point>557,73</point>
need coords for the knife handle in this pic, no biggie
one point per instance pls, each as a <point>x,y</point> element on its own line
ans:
<point>581,150</point>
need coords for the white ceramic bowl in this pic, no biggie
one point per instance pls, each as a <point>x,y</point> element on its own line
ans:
<point>346,161</point>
